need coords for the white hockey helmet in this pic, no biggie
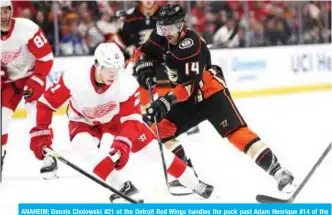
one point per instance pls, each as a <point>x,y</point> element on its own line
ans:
<point>6,3</point>
<point>109,55</point>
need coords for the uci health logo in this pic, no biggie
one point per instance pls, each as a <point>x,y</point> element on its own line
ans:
<point>247,65</point>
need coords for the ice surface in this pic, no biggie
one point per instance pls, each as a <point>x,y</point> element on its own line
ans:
<point>297,127</point>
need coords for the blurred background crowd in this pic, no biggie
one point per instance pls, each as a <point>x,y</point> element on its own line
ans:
<point>77,27</point>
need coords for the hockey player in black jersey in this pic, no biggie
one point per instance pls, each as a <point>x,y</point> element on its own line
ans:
<point>137,26</point>
<point>199,92</point>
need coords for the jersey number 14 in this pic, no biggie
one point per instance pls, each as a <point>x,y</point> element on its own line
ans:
<point>192,67</point>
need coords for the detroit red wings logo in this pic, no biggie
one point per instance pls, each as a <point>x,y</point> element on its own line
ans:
<point>8,57</point>
<point>99,111</point>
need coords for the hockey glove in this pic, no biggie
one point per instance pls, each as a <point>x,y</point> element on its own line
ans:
<point>40,137</point>
<point>161,107</point>
<point>34,88</point>
<point>123,149</point>
<point>144,71</point>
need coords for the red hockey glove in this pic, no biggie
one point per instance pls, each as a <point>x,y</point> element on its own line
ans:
<point>123,149</point>
<point>34,88</point>
<point>40,137</point>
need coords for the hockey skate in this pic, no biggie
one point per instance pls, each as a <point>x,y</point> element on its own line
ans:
<point>127,189</point>
<point>49,169</point>
<point>285,181</point>
<point>204,190</point>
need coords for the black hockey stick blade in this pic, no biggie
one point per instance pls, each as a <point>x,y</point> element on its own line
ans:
<point>181,194</point>
<point>269,199</point>
<point>93,178</point>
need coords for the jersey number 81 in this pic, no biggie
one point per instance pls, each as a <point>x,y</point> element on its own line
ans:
<point>40,40</point>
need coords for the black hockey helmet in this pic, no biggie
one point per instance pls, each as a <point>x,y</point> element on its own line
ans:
<point>170,14</point>
<point>170,20</point>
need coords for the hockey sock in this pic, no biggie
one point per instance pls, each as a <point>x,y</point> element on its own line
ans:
<point>180,153</point>
<point>185,175</point>
<point>104,168</point>
<point>263,156</point>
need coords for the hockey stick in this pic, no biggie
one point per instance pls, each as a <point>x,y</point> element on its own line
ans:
<point>93,178</point>
<point>149,83</point>
<point>270,199</point>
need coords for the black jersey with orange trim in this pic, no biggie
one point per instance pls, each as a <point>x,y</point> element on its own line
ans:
<point>186,65</point>
<point>136,27</point>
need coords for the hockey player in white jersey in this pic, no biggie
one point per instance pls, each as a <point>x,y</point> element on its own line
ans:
<point>105,99</point>
<point>26,60</point>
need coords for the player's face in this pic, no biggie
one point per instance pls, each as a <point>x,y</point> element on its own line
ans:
<point>6,14</point>
<point>148,4</point>
<point>171,32</point>
<point>109,75</point>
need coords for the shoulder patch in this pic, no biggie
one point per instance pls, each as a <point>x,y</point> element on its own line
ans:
<point>186,43</point>
<point>130,11</point>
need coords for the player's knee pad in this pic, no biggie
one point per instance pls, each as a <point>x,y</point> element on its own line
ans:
<point>167,130</point>
<point>242,138</point>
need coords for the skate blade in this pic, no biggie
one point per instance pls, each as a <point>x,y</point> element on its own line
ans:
<point>50,175</point>
<point>180,191</point>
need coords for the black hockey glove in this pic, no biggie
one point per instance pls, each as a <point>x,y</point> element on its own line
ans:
<point>160,107</point>
<point>144,71</point>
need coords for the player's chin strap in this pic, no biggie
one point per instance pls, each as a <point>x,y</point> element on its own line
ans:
<point>88,175</point>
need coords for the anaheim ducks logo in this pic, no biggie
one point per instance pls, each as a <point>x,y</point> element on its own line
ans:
<point>144,35</point>
<point>8,57</point>
<point>172,75</point>
<point>99,111</point>
<point>186,43</point>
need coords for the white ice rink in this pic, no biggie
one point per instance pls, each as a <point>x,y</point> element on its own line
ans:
<point>297,127</point>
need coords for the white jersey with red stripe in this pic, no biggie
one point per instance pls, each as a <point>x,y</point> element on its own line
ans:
<point>91,104</point>
<point>21,47</point>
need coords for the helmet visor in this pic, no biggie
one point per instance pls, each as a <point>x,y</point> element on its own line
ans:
<point>169,30</point>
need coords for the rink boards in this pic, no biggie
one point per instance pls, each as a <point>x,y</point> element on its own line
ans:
<point>249,72</point>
